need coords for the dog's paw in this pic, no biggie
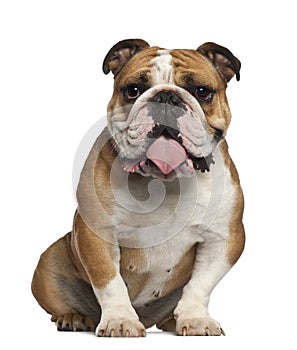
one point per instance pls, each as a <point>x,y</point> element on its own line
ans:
<point>73,322</point>
<point>198,326</point>
<point>120,328</point>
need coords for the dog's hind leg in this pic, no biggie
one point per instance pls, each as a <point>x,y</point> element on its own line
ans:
<point>168,324</point>
<point>61,291</point>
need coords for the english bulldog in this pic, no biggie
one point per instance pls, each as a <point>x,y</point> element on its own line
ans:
<point>159,218</point>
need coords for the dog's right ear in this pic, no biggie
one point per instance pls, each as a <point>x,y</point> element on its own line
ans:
<point>120,53</point>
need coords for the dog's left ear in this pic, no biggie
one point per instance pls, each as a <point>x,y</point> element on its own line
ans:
<point>223,59</point>
<point>120,53</point>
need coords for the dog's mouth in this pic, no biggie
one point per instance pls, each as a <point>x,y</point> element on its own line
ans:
<point>166,158</point>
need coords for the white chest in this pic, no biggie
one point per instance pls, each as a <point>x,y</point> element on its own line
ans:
<point>149,212</point>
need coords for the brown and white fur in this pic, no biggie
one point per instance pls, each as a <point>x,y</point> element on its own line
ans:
<point>131,262</point>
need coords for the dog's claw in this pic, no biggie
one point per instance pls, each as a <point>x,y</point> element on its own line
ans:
<point>184,331</point>
<point>101,333</point>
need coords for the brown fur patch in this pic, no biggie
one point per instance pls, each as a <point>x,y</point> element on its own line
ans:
<point>139,65</point>
<point>92,236</point>
<point>55,261</point>
<point>94,194</point>
<point>182,272</point>
<point>132,264</point>
<point>96,254</point>
<point>236,239</point>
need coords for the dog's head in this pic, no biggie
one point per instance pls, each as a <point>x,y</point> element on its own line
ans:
<point>169,110</point>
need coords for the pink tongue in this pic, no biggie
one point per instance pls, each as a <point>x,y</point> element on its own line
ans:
<point>167,154</point>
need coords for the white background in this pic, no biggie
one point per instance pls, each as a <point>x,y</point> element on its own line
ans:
<point>53,90</point>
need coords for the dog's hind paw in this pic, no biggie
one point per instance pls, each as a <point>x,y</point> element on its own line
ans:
<point>73,322</point>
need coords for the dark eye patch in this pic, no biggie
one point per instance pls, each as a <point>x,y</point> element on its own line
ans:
<point>202,92</point>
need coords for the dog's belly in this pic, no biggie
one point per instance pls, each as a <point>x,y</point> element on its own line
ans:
<point>154,272</point>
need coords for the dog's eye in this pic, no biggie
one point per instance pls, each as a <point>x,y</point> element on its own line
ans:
<point>131,92</point>
<point>203,94</point>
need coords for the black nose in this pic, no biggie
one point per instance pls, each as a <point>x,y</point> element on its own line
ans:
<point>165,108</point>
<point>168,97</point>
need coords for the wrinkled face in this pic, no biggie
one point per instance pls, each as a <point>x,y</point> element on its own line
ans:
<point>168,112</point>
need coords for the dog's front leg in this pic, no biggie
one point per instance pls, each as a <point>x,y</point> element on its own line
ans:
<point>118,316</point>
<point>211,264</point>
<point>100,260</point>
